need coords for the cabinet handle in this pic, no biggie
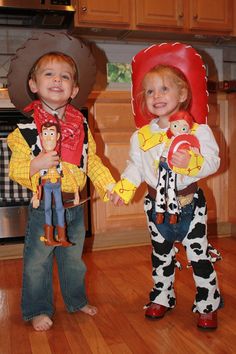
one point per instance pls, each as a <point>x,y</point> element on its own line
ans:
<point>181,14</point>
<point>195,17</point>
<point>84,9</point>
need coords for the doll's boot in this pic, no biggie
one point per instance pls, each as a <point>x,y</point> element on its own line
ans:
<point>160,218</point>
<point>62,239</point>
<point>173,219</point>
<point>48,236</point>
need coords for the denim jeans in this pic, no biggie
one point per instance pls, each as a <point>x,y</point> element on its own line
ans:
<point>55,189</point>
<point>37,291</point>
<point>178,231</point>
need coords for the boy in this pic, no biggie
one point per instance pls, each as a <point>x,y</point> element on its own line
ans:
<point>41,69</point>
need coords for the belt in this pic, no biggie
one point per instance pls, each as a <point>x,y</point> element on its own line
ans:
<point>49,180</point>
<point>67,199</point>
<point>190,189</point>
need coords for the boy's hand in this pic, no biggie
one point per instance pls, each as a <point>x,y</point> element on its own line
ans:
<point>116,199</point>
<point>181,159</point>
<point>44,160</point>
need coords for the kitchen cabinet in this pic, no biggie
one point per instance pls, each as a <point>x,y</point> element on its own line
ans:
<point>209,15</point>
<point>230,103</point>
<point>189,15</point>
<point>103,13</point>
<point>112,124</point>
<point>156,14</point>
<point>216,187</point>
<point>142,19</point>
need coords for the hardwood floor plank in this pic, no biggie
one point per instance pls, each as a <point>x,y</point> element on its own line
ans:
<point>118,283</point>
<point>39,343</point>
<point>123,329</point>
<point>76,341</point>
<point>94,337</point>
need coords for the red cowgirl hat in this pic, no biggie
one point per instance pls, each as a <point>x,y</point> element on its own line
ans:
<point>182,57</point>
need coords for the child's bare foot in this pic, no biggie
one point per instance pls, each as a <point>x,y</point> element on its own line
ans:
<point>41,323</point>
<point>90,310</point>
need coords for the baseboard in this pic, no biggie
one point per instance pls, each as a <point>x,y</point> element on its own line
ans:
<point>11,251</point>
<point>122,239</point>
<point>117,240</point>
<point>220,229</point>
<point>141,237</point>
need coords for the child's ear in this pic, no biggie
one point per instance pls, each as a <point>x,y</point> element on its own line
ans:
<point>183,95</point>
<point>74,92</point>
<point>33,86</point>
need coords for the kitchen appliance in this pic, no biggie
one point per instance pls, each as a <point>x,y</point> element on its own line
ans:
<point>51,14</point>
<point>14,199</point>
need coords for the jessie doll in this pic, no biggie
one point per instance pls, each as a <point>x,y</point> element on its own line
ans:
<point>181,124</point>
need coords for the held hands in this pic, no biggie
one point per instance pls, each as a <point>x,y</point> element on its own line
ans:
<point>115,198</point>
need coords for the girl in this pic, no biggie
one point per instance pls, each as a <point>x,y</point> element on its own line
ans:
<point>167,78</point>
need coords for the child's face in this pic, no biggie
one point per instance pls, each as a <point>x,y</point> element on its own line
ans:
<point>54,83</point>
<point>179,127</point>
<point>163,96</point>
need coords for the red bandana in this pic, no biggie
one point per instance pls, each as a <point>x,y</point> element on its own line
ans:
<point>72,130</point>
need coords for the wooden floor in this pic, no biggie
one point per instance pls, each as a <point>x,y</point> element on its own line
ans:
<point>118,284</point>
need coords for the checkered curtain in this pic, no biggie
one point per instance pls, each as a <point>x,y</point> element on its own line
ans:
<point>10,191</point>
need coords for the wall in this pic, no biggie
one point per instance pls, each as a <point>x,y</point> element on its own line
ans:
<point>124,52</point>
<point>229,60</point>
<point>104,51</point>
<point>10,40</point>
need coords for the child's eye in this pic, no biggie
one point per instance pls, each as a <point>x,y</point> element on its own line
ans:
<point>149,92</point>
<point>164,89</point>
<point>48,74</point>
<point>66,77</point>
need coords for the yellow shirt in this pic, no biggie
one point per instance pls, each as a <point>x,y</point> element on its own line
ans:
<point>73,177</point>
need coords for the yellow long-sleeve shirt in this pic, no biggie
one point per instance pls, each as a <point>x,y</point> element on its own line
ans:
<point>73,177</point>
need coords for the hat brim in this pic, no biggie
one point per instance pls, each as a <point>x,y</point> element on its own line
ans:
<point>36,47</point>
<point>182,57</point>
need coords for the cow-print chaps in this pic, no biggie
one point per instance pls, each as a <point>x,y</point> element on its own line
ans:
<point>195,242</point>
<point>166,199</point>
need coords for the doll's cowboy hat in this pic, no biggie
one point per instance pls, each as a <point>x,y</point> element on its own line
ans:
<point>184,58</point>
<point>36,47</point>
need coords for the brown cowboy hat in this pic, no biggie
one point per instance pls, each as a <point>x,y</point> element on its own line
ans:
<point>41,44</point>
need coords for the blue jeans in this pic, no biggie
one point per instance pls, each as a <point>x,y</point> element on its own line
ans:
<point>55,189</point>
<point>178,231</point>
<point>37,291</point>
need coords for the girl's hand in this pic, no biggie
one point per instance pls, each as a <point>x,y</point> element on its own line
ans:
<point>44,160</point>
<point>115,199</point>
<point>181,159</point>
